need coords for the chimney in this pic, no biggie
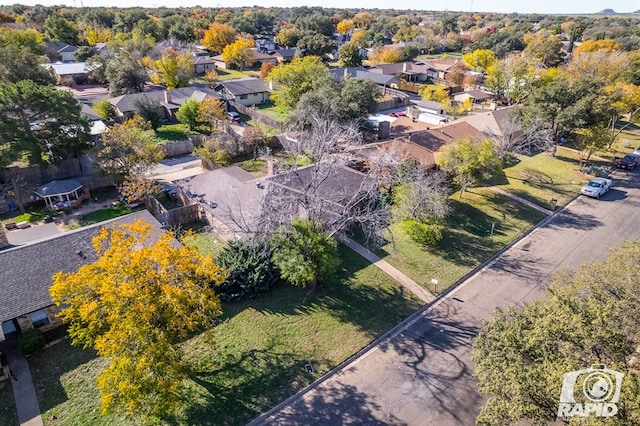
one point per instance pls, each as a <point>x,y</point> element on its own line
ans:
<point>346,73</point>
<point>404,67</point>
<point>4,242</point>
<point>167,96</point>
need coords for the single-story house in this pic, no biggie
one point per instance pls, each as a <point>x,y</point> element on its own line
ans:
<point>168,100</point>
<point>24,283</point>
<point>65,51</point>
<point>76,70</point>
<point>232,200</point>
<point>409,70</point>
<point>101,49</point>
<point>422,142</point>
<point>477,96</point>
<point>229,199</point>
<point>257,57</point>
<point>440,67</point>
<point>202,64</point>
<point>361,73</point>
<point>493,123</point>
<point>286,55</point>
<point>248,91</point>
<point>264,44</point>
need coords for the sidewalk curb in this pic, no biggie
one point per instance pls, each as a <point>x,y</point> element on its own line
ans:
<point>406,323</point>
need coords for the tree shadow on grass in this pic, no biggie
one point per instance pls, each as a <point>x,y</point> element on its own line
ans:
<point>470,219</point>
<point>50,364</point>
<point>241,386</point>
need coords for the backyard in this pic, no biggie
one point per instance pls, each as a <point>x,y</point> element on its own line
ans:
<point>253,359</point>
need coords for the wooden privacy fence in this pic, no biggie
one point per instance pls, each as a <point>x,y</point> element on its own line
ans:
<point>174,217</point>
<point>257,115</point>
<point>398,99</point>
<point>39,175</point>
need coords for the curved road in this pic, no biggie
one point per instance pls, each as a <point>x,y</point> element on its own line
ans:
<point>421,372</point>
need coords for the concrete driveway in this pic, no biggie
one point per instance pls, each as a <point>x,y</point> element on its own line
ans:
<point>421,373</point>
<point>19,237</point>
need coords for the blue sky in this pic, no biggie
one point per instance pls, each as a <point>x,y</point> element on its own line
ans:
<point>537,6</point>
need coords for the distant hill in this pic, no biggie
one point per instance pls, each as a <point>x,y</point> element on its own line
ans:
<point>607,12</point>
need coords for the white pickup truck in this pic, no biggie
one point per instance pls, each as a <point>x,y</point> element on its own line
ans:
<point>596,187</point>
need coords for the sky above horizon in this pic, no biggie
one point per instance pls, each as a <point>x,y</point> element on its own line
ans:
<point>500,6</point>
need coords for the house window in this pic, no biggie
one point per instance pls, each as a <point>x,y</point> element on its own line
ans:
<point>243,96</point>
<point>39,318</point>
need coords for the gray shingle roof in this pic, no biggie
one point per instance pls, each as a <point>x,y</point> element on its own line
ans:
<point>61,46</point>
<point>245,87</point>
<point>126,103</point>
<point>26,271</point>
<point>58,187</point>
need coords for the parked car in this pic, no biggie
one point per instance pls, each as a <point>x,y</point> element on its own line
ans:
<point>596,187</point>
<point>629,161</point>
<point>233,116</point>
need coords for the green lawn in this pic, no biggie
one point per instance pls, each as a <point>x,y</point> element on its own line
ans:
<point>253,359</point>
<point>109,213</point>
<point>467,239</point>
<point>233,74</point>
<point>205,242</point>
<point>8,414</point>
<point>174,132</point>
<point>444,55</point>
<point>30,217</point>
<point>541,177</point>
<point>626,142</point>
<point>270,131</point>
<point>273,111</point>
<point>258,167</point>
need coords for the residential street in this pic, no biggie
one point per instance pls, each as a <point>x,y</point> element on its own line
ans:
<point>422,374</point>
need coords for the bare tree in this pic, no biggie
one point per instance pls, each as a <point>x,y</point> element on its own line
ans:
<point>327,190</point>
<point>513,139</point>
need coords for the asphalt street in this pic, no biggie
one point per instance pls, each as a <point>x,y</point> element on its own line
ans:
<point>422,373</point>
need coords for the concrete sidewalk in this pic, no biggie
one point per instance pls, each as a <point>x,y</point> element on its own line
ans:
<point>401,278</point>
<point>24,392</point>
<point>520,200</point>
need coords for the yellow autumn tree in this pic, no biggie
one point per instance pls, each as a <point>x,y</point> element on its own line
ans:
<point>239,53</point>
<point>345,26</point>
<point>387,54</point>
<point>172,70</point>
<point>606,44</point>
<point>212,111</point>
<point>359,39</point>
<point>480,59</point>
<point>218,36</point>
<point>142,296</point>
<point>95,35</point>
